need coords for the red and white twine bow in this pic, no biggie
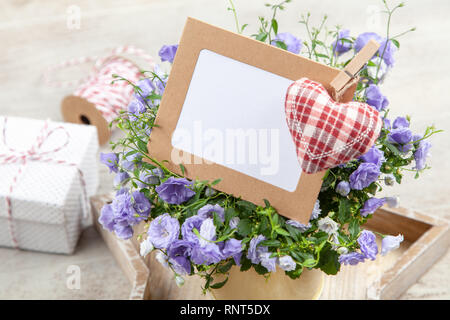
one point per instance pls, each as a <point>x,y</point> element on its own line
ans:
<point>108,98</point>
<point>22,157</point>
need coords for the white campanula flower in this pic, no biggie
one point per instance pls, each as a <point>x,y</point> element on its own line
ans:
<point>287,263</point>
<point>162,258</point>
<point>146,247</point>
<point>328,225</point>
<point>234,222</point>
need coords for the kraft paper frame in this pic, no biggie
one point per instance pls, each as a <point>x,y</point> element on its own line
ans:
<point>197,36</point>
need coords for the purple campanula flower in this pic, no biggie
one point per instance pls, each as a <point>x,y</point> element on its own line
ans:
<point>374,155</point>
<point>366,174</point>
<point>292,43</point>
<point>298,225</point>
<point>167,53</point>
<point>343,188</point>
<point>287,263</point>
<point>316,211</point>
<point>352,258</point>
<point>392,202</point>
<point>401,138</point>
<point>123,208</point>
<point>363,38</point>
<point>132,161</point>
<point>135,108</point>
<point>160,80</point>
<point>208,254</point>
<point>207,211</point>
<point>179,252</point>
<point>175,190</point>
<point>123,231</point>
<point>110,160</point>
<point>147,87</point>
<point>121,178</point>
<point>233,248</point>
<point>106,218</point>
<point>188,227</point>
<point>400,122</point>
<point>416,138</point>
<point>367,244</point>
<point>390,243</point>
<point>152,177</point>
<point>255,251</point>
<point>387,123</point>
<point>141,204</point>
<point>267,262</point>
<point>371,205</point>
<point>163,230</point>
<point>375,98</point>
<point>340,46</point>
<point>421,154</point>
<point>386,51</point>
<point>121,214</point>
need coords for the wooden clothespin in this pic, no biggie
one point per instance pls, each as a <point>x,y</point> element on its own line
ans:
<point>349,76</point>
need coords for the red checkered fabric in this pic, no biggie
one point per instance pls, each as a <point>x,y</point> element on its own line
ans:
<point>328,133</point>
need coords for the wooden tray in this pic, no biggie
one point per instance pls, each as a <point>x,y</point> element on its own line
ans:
<point>426,240</point>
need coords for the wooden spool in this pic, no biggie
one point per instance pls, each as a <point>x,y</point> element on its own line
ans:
<point>78,110</point>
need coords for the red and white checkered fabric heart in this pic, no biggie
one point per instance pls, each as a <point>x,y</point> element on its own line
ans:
<point>328,133</point>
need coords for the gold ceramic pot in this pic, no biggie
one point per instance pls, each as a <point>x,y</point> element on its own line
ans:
<point>249,285</point>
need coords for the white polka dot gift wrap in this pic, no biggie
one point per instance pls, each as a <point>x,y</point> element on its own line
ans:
<point>48,172</point>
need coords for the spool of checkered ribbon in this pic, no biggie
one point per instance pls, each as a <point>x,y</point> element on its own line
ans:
<point>97,89</point>
<point>36,153</point>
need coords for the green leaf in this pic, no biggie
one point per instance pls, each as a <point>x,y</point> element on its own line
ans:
<point>275,26</point>
<point>245,264</point>
<point>353,228</point>
<point>219,285</point>
<point>142,146</point>
<point>294,232</point>
<point>282,232</point>
<point>246,206</point>
<point>344,210</point>
<point>270,243</point>
<point>309,263</point>
<point>230,213</point>
<point>183,169</point>
<point>328,260</point>
<point>396,43</point>
<point>260,269</point>
<point>226,267</point>
<point>262,37</point>
<point>281,45</point>
<point>215,182</point>
<point>244,227</point>
<point>267,203</point>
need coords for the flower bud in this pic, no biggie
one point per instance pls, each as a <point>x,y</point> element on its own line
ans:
<point>342,250</point>
<point>389,179</point>
<point>343,188</point>
<point>392,202</point>
<point>179,280</point>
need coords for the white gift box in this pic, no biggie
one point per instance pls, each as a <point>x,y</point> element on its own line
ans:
<point>48,172</point>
